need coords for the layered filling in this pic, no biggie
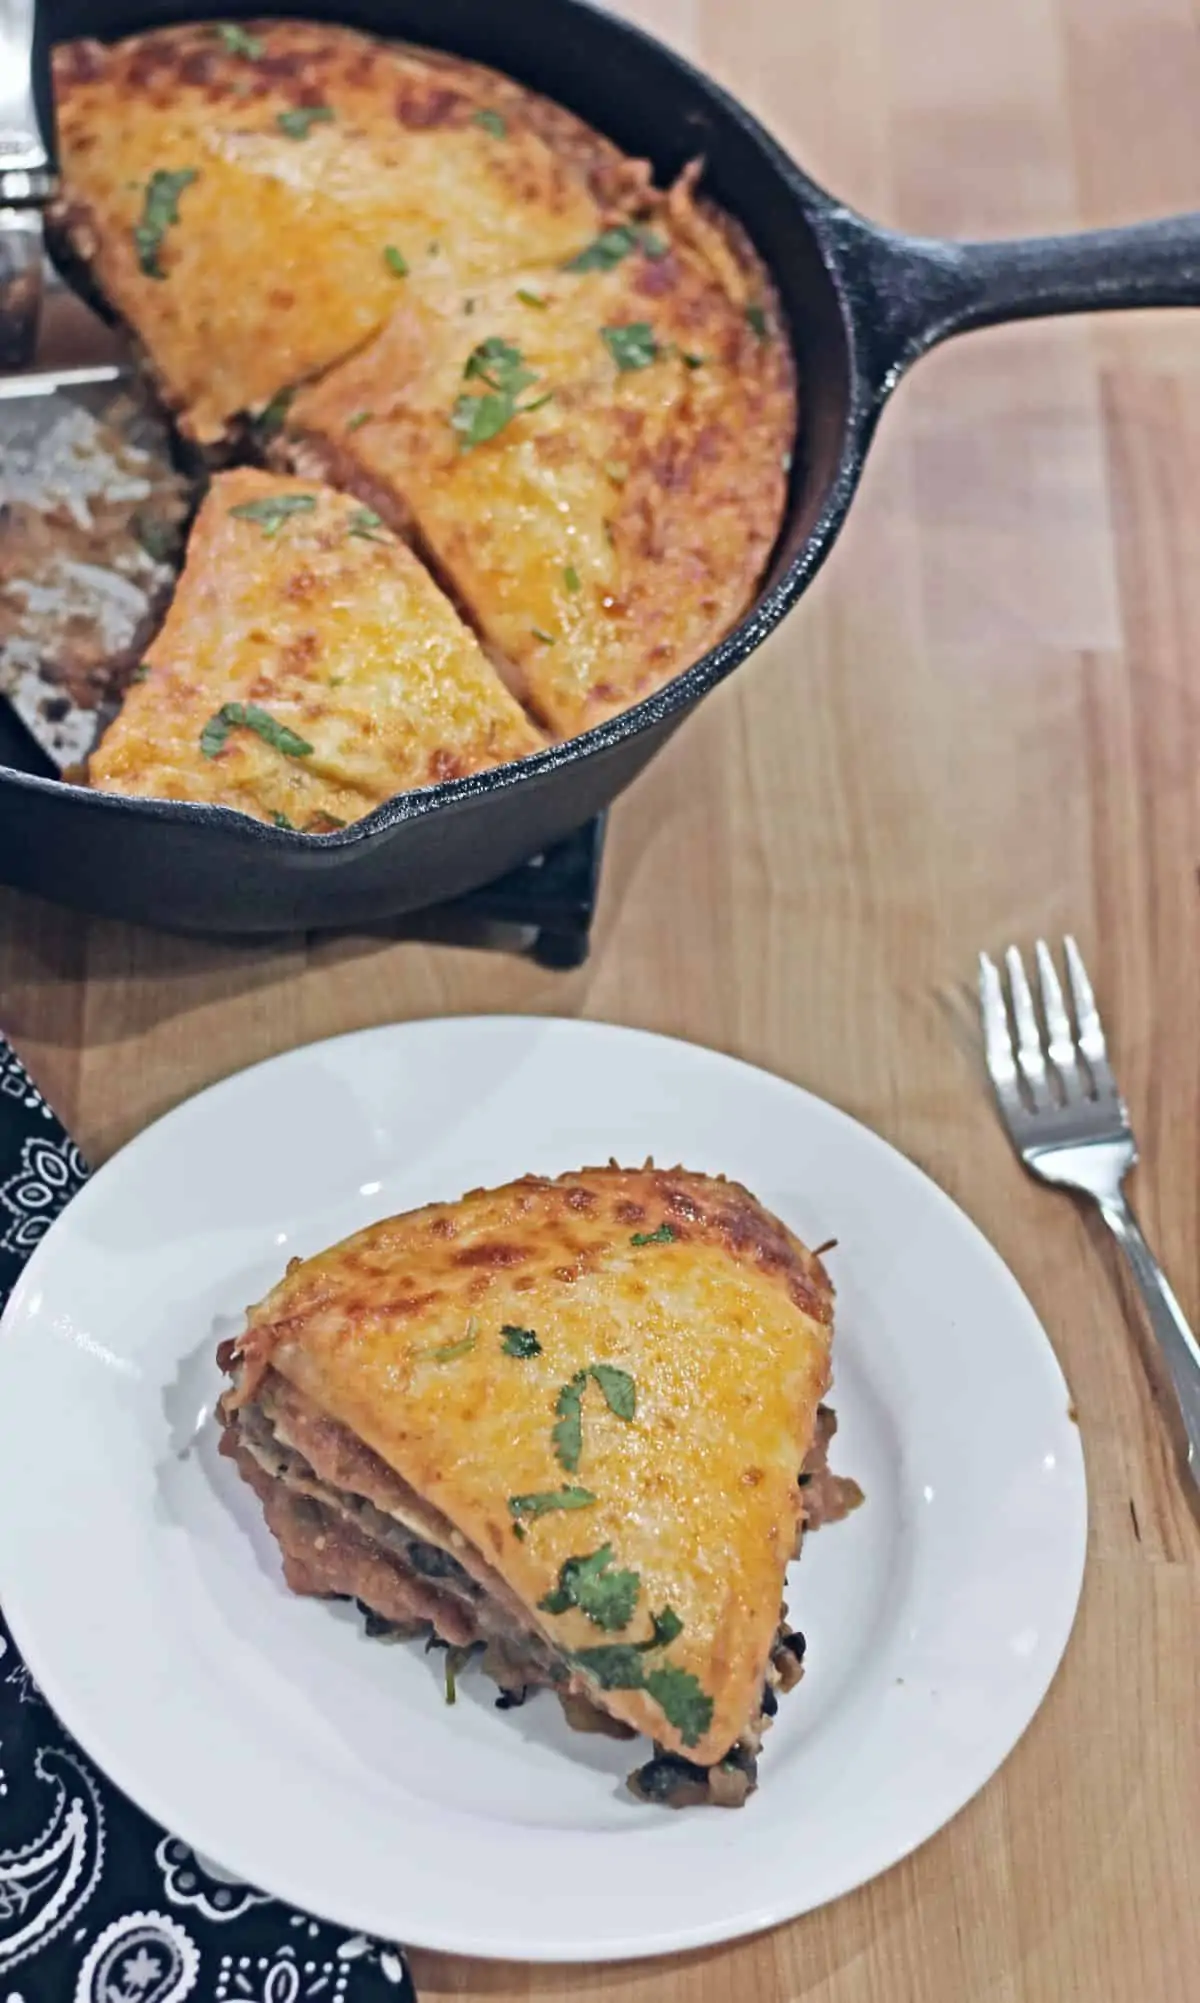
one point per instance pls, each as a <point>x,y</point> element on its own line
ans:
<point>349,1527</point>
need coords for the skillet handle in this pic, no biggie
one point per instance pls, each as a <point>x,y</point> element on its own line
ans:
<point>925,289</point>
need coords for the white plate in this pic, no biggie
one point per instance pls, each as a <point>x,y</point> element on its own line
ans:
<point>267,1732</point>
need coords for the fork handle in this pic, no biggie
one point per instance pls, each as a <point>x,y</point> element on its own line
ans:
<point>1179,1347</point>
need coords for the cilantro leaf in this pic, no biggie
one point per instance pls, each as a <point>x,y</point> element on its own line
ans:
<point>758,320</point>
<point>491,121</point>
<point>448,1352</point>
<point>617,1386</point>
<point>665,1235</point>
<point>613,244</point>
<point>395,261</point>
<point>237,41</point>
<point>614,1665</point>
<point>364,522</point>
<point>547,639</point>
<point>478,418</point>
<point>571,578</point>
<point>248,716</point>
<point>500,365</point>
<point>270,417</point>
<point>358,418</point>
<point>528,298</point>
<point>632,346</point>
<point>604,250</point>
<point>160,208</point>
<point>273,510</point>
<point>141,673</point>
<point>282,821</point>
<point>567,1435</point>
<point>299,121</point>
<point>667,1628</point>
<point>682,1701</point>
<point>608,1598</point>
<point>544,1500</point>
<point>516,1341</point>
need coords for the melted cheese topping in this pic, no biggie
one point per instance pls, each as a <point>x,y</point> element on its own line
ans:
<point>341,637</point>
<point>277,263</point>
<point>725,1329</point>
<point>605,539</point>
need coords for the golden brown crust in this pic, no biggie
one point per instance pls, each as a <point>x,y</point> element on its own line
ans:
<point>603,541</point>
<point>276,267</point>
<point>684,1282</point>
<point>338,634</point>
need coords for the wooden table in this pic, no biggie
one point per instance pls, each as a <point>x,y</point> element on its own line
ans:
<point>983,723</point>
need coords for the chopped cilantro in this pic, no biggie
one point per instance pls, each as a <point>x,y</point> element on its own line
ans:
<point>237,41</point>
<point>491,121</point>
<point>663,1236</point>
<point>518,1531</point>
<point>542,1502</point>
<point>619,1666</point>
<point>567,1435</point>
<point>571,578</point>
<point>528,298</point>
<point>608,1598</point>
<point>548,639</point>
<point>691,361</point>
<point>160,208</point>
<point>501,366</point>
<point>282,821</point>
<point>358,418</point>
<point>617,1387</point>
<point>632,346</point>
<point>613,244</point>
<point>478,418</point>
<point>395,261</point>
<point>273,510</point>
<point>614,1665</point>
<point>456,1661</point>
<point>537,402</point>
<point>364,522</point>
<point>270,417</point>
<point>758,320</point>
<point>141,673</point>
<point>248,716</point>
<point>449,1352</point>
<point>667,1627</point>
<point>682,1701</point>
<point>299,121</point>
<point>516,1341</point>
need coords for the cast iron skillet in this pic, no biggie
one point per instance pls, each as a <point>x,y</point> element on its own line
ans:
<point>862,302</point>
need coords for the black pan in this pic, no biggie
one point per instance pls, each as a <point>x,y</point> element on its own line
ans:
<point>862,302</point>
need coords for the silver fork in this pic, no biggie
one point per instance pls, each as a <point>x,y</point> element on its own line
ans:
<point>1068,1123</point>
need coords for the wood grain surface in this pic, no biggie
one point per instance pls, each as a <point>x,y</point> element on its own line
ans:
<point>983,723</point>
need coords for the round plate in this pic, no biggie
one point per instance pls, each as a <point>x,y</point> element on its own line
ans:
<point>268,1732</point>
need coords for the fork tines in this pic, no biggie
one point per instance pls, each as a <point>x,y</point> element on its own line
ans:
<point>1050,1062</point>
